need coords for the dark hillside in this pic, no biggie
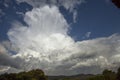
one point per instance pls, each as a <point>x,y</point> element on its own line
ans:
<point>30,75</point>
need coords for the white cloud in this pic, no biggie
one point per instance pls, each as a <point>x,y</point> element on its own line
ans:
<point>74,16</point>
<point>88,34</point>
<point>3,68</point>
<point>20,13</point>
<point>45,44</point>
<point>2,49</point>
<point>67,4</point>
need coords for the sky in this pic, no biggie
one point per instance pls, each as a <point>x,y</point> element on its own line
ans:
<point>61,37</point>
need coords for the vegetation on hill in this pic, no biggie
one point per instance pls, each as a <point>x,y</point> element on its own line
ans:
<point>107,75</point>
<point>74,77</point>
<point>39,75</point>
<point>30,75</point>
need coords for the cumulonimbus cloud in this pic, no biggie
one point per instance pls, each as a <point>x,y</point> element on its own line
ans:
<point>45,44</point>
<point>67,4</point>
<point>70,5</point>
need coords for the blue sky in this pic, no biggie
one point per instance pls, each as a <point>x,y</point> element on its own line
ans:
<point>98,17</point>
<point>101,18</point>
<point>61,37</point>
<point>8,15</point>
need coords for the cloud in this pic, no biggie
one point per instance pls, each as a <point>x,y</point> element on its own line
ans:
<point>20,13</point>
<point>3,69</point>
<point>74,16</point>
<point>70,5</point>
<point>88,34</point>
<point>45,44</point>
<point>7,61</point>
<point>7,3</point>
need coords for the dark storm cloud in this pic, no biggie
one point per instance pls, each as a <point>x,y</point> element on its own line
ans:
<point>6,58</point>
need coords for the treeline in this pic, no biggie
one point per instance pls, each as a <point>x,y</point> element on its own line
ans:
<point>38,74</point>
<point>107,75</point>
<point>30,75</point>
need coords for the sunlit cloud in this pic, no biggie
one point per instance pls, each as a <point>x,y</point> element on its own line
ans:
<point>45,44</point>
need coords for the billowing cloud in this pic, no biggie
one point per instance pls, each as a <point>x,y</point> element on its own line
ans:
<point>7,61</point>
<point>45,44</point>
<point>70,5</point>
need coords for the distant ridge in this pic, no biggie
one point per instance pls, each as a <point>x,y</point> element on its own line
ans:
<point>72,77</point>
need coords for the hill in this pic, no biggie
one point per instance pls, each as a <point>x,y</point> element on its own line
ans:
<point>38,74</point>
<point>74,77</point>
<point>30,75</point>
